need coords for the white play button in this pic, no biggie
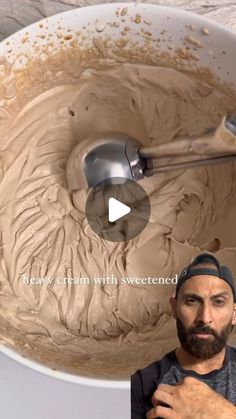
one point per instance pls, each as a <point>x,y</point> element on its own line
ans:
<point>116,209</point>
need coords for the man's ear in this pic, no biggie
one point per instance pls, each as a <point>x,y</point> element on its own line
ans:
<point>234,315</point>
<point>173,303</point>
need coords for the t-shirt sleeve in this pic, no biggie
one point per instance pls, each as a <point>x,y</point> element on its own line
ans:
<point>138,410</point>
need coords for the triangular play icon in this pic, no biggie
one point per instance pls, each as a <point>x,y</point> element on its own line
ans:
<point>116,210</point>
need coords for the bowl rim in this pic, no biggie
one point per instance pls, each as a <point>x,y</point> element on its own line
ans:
<point>69,377</point>
<point>111,5</point>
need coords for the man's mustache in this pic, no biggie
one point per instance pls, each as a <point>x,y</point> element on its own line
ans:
<point>203,330</point>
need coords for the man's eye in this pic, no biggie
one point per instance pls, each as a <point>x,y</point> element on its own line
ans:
<point>219,302</point>
<point>191,300</point>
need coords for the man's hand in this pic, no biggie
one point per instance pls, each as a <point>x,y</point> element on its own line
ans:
<point>190,399</point>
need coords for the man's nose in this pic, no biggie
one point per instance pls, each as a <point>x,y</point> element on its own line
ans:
<point>205,313</point>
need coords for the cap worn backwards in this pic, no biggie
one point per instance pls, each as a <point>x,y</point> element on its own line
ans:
<point>221,271</point>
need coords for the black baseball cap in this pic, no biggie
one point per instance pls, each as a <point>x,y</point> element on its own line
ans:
<point>222,272</point>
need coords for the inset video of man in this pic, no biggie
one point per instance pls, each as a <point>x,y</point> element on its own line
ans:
<point>198,378</point>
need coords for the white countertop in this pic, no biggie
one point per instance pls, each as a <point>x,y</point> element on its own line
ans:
<point>27,394</point>
<point>23,392</point>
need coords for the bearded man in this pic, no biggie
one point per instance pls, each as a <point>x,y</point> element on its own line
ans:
<point>196,380</point>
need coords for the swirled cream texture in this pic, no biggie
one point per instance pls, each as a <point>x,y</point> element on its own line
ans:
<point>105,329</point>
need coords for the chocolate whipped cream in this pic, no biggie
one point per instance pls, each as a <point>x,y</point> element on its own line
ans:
<point>107,329</point>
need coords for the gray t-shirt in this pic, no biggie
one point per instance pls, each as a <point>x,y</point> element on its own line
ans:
<point>168,371</point>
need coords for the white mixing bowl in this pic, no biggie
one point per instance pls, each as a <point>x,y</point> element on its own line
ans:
<point>146,24</point>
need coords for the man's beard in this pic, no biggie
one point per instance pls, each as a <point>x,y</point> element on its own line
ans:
<point>202,348</point>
